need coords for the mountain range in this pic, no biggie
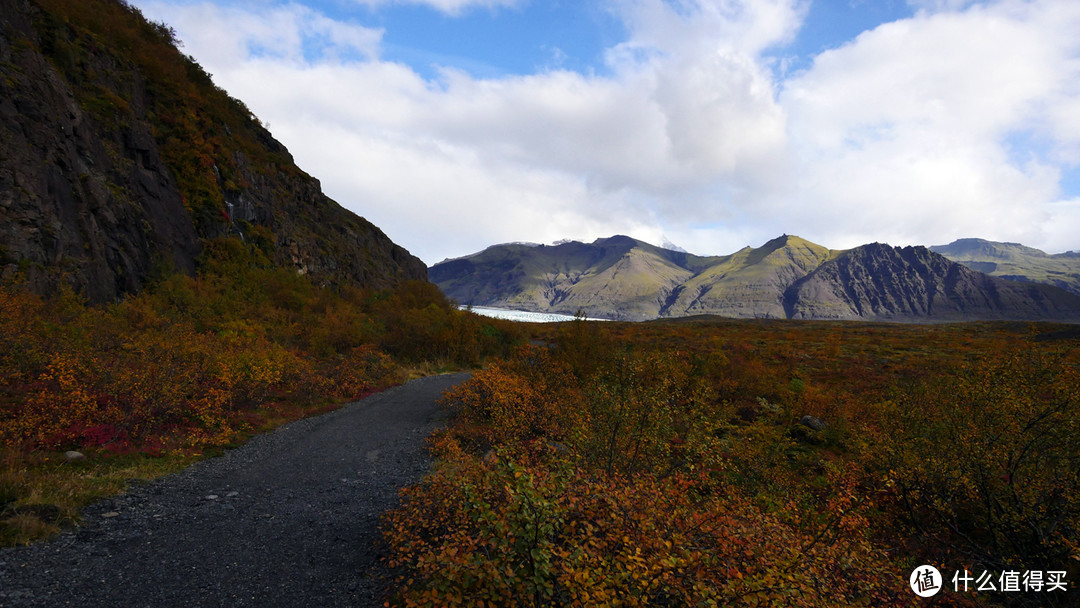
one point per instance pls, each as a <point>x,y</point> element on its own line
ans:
<point>120,158</point>
<point>1016,262</point>
<point>787,277</point>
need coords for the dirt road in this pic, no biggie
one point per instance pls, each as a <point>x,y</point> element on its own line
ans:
<point>288,520</point>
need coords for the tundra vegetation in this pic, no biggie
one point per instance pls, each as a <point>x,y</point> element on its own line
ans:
<point>669,464</point>
<point>190,365</point>
<point>659,463</point>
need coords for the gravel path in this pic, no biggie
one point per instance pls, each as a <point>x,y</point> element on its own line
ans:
<point>289,519</point>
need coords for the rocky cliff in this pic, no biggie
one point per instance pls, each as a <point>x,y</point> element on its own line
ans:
<point>879,282</point>
<point>119,156</point>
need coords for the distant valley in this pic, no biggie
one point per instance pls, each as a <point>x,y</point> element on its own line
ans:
<point>787,277</point>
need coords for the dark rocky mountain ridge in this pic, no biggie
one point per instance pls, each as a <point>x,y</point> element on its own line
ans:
<point>787,277</point>
<point>880,282</point>
<point>119,156</point>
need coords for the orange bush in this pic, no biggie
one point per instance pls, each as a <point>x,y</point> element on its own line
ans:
<point>519,399</point>
<point>668,464</point>
<point>495,532</point>
<point>193,361</point>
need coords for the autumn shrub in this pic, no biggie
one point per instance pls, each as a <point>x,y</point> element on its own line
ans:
<point>626,488</point>
<point>543,532</point>
<point>190,361</point>
<point>672,464</point>
<point>355,372</point>
<point>637,411</point>
<point>20,323</point>
<point>643,412</point>
<point>101,374</point>
<point>525,397</point>
<point>338,327</point>
<point>582,345</point>
<point>987,462</point>
<point>416,322</point>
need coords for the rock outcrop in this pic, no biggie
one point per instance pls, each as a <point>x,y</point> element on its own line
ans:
<point>119,156</point>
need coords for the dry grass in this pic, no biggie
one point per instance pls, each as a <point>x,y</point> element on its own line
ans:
<point>428,368</point>
<point>42,492</point>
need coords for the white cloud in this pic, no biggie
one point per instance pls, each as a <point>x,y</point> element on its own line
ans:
<point>450,7</point>
<point>1059,226</point>
<point>685,27</point>
<point>908,127</point>
<point>622,153</point>
<point>223,38</point>
<point>904,134</point>
<point>448,196</point>
<point>970,75</point>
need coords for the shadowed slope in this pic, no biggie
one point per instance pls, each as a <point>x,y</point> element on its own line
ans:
<point>120,156</point>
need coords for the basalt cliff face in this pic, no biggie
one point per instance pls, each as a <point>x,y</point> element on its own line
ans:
<point>788,277</point>
<point>119,156</point>
<point>886,283</point>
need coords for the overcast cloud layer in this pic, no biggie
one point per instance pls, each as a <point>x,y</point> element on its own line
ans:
<point>963,120</point>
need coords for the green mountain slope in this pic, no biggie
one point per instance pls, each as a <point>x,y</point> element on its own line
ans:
<point>751,282</point>
<point>787,277</point>
<point>623,278</point>
<point>119,157</point>
<point>1016,262</point>
<point>619,277</point>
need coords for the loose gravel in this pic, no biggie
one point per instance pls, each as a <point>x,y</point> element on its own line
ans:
<point>289,519</point>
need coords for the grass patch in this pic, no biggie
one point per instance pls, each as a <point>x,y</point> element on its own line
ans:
<point>424,369</point>
<point>41,492</point>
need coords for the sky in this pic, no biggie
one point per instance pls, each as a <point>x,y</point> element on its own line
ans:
<point>454,125</point>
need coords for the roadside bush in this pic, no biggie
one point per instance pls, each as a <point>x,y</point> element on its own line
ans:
<point>193,360</point>
<point>542,532</point>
